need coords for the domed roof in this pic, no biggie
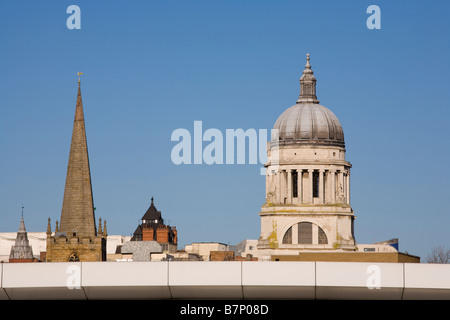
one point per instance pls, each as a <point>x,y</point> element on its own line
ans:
<point>308,122</point>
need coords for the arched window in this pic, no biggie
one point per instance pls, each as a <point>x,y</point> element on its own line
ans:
<point>308,233</point>
<point>322,236</point>
<point>73,257</point>
<point>305,233</point>
<point>287,238</point>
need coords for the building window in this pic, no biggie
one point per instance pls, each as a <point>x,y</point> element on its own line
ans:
<point>287,238</point>
<point>73,257</point>
<point>315,184</point>
<point>305,233</point>
<point>322,237</point>
<point>294,184</point>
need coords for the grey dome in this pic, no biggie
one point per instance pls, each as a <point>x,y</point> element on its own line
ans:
<point>309,123</point>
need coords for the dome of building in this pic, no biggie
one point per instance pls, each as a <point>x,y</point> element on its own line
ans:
<point>308,122</point>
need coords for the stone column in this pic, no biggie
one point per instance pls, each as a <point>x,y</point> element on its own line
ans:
<point>341,190</point>
<point>289,186</point>
<point>299,186</point>
<point>279,191</point>
<point>310,191</point>
<point>321,193</point>
<point>333,187</point>
<point>348,187</point>
<point>283,185</point>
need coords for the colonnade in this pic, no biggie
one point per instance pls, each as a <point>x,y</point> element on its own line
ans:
<point>309,186</point>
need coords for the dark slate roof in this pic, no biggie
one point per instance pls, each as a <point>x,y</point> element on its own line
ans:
<point>138,230</point>
<point>152,213</point>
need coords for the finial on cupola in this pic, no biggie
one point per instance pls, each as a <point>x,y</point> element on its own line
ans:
<point>307,85</point>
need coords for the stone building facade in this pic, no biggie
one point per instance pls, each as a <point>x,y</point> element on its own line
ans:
<point>307,215</point>
<point>307,203</point>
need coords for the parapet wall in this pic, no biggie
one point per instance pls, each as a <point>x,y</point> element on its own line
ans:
<point>224,280</point>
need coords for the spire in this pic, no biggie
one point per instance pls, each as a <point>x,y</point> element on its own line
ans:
<point>105,234</point>
<point>49,227</point>
<point>307,85</point>
<point>21,249</point>
<point>78,206</point>
<point>99,232</point>
<point>22,224</point>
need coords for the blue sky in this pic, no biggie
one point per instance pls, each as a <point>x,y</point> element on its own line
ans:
<point>150,67</point>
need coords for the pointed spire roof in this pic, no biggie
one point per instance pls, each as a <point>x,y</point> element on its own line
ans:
<point>152,213</point>
<point>105,233</point>
<point>22,226</point>
<point>307,85</point>
<point>21,248</point>
<point>49,227</point>
<point>77,215</point>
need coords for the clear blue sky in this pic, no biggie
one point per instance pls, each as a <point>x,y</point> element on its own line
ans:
<point>150,67</point>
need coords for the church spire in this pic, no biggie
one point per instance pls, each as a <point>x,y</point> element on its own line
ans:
<point>307,85</point>
<point>77,215</point>
<point>21,251</point>
<point>22,226</point>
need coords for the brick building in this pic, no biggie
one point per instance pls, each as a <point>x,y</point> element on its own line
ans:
<point>152,228</point>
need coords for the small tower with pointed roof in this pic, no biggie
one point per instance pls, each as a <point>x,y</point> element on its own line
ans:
<point>21,251</point>
<point>307,85</point>
<point>152,228</point>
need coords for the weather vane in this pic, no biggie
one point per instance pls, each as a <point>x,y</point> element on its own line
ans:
<point>79,76</point>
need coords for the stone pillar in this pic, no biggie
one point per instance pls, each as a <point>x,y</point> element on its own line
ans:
<point>321,193</point>
<point>341,190</point>
<point>283,185</point>
<point>299,186</point>
<point>278,186</point>
<point>348,187</point>
<point>333,187</point>
<point>311,181</point>
<point>289,186</point>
